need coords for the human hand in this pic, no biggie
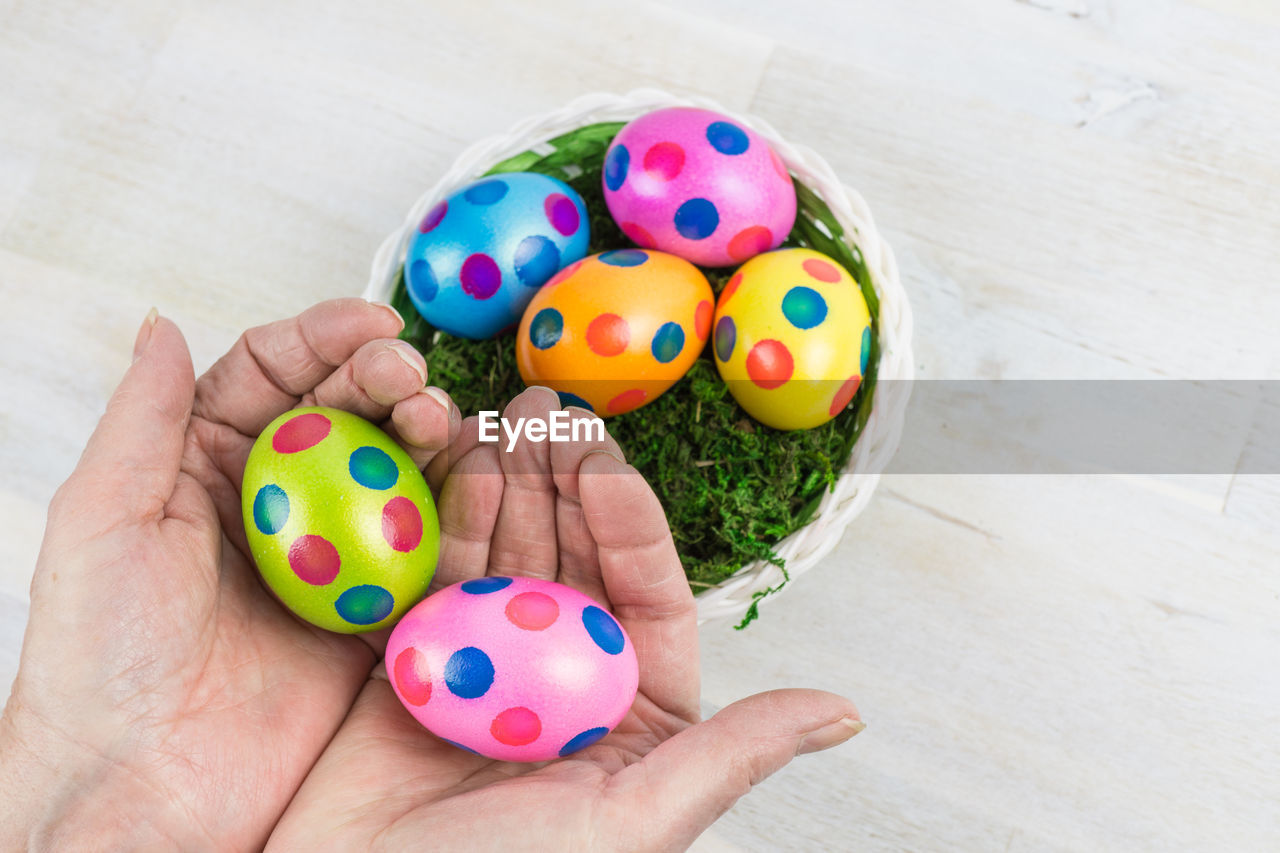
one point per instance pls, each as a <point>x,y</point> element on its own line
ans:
<point>577,514</point>
<point>163,696</point>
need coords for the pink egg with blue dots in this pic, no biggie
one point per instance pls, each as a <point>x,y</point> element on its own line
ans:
<point>514,669</point>
<point>479,255</point>
<point>700,185</point>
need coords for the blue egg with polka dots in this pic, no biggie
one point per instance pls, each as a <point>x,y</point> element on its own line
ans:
<point>479,255</point>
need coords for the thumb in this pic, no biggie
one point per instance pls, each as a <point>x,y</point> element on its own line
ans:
<point>696,776</point>
<point>128,470</point>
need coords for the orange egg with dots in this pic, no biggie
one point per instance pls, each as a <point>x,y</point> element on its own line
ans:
<point>614,331</point>
<point>792,338</point>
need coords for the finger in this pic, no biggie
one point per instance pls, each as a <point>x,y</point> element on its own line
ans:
<point>524,538</point>
<point>467,439</point>
<point>128,470</point>
<point>646,585</point>
<point>566,455</point>
<point>271,367</point>
<point>579,562</point>
<point>377,641</point>
<point>378,375</point>
<point>425,424</point>
<point>469,504</point>
<point>696,776</point>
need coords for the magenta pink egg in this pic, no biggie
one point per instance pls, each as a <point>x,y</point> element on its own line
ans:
<point>700,185</point>
<point>516,669</point>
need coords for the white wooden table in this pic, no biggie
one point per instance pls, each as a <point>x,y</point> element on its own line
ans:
<point>1075,189</point>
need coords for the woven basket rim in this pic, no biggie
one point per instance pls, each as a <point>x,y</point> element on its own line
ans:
<point>880,437</point>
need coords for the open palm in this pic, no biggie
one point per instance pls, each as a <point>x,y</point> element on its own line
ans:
<point>170,697</point>
<point>577,514</point>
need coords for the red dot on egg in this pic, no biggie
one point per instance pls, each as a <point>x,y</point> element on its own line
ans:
<point>769,364</point>
<point>532,611</point>
<point>844,396</point>
<point>749,242</point>
<point>664,161</point>
<point>562,275</point>
<point>608,335</point>
<point>412,676</point>
<point>480,276</point>
<point>821,270</point>
<point>516,727</point>
<point>779,165</point>
<point>314,559</point>
<point>561,213</point>
<point>301,432</point>
<point>638,234</point>
<point>402,524</point>
<point>434,217</point>
<point>730,289</point>
<point>627,400</point>
<point>702,319</point>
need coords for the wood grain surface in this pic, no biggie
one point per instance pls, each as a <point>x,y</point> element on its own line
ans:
<point>1074,188</point>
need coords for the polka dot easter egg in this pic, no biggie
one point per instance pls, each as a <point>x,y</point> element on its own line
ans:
<point>340,521</point>
<point>481,254</point>
<point>700,185</point>
<point>792,338</point>
<point>516,669</point>
<point>615,330</point>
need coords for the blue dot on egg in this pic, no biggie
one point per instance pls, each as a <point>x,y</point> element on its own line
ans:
<point>486,192</point>
<point>567,400</point>
<point>469,673</point>
<point>270,509</point>
<point>373,468</point>
<point>616,163</point>
<point>422,281</point>
<point>668,341</point>
<point>624,257</point>
<point>866,350</point>
<point>483,586</point>
<point>459,745</point>
<point>545,328</point>
<point>696,219</point>
<point>365,605</point>
<point>727,138</point>
<point>726,337</point>
<point>582,740</point>
<point>604,630</point>
<point>804,307</point>
<point>537,259</point>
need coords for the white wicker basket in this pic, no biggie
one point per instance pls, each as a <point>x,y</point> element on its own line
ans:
<point>804,548</point>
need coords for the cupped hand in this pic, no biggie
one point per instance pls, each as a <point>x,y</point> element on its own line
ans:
<point>163,697</point>
<point>577,514</point>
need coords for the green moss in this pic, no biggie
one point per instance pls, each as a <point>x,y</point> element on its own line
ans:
<point>731,487</point>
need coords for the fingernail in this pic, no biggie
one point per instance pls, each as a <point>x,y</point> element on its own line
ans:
<point>144,333</point>
<point>387,307</point>
<point>615,457</point>
<point>410,356</point>
<point>548,390</point>
<point>830,735</point>
<point>439,395</point>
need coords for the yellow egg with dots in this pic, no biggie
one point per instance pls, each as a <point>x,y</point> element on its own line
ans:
<point>792,338</point>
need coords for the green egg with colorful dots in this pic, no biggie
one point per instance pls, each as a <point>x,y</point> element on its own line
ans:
<point>339,520</point>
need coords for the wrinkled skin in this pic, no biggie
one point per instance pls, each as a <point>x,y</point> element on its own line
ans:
<point>165,699</point>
